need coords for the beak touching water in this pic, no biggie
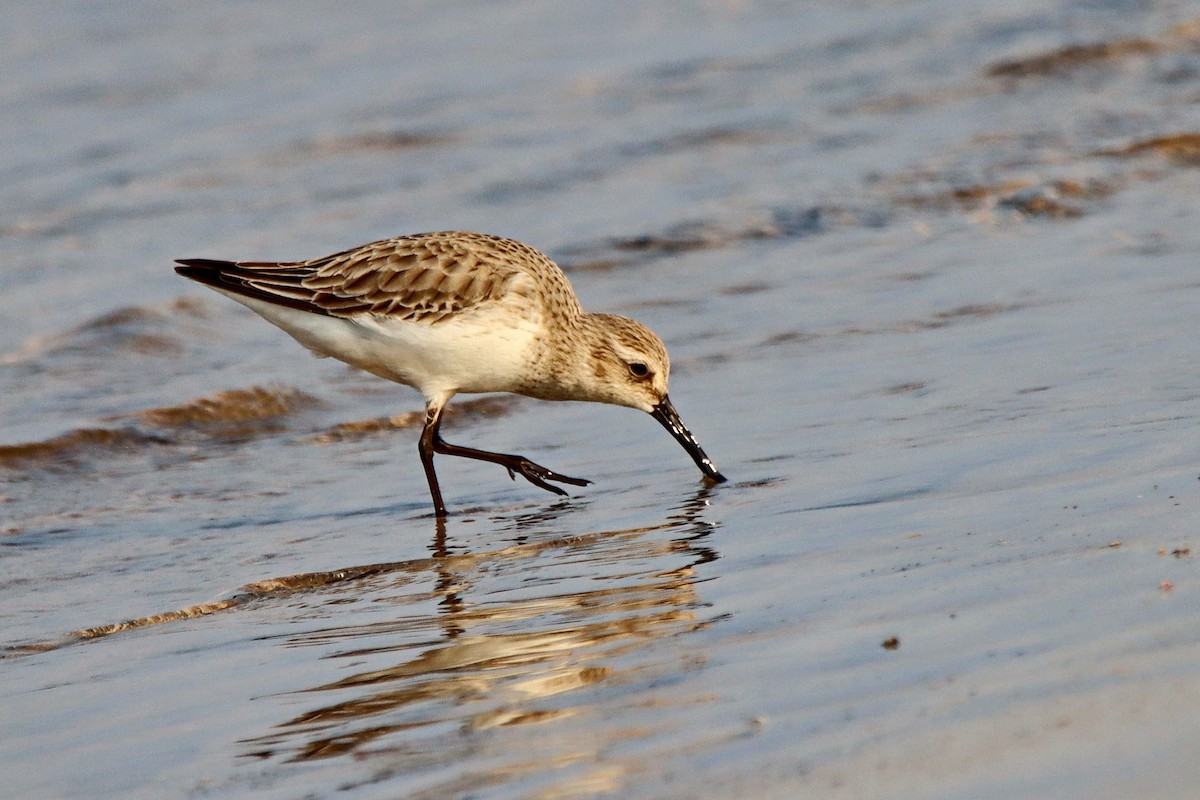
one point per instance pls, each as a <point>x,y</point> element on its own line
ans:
<point>665,413</point>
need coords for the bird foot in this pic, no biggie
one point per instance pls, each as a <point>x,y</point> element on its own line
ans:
<point>538,475</point>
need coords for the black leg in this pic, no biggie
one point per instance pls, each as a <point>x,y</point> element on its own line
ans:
<point>432,442</point>
<point>427,446</point>
<point>534,473</point>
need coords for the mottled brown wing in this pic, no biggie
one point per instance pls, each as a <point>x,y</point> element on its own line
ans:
<point>422,278</point>
<point>425,277</point>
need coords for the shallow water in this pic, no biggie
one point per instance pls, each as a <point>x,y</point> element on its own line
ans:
<point>926,271</point>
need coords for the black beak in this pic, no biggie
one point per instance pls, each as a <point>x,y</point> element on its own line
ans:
<point>665,413</point>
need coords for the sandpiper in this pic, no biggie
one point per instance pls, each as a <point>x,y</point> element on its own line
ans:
<point>454,312</point>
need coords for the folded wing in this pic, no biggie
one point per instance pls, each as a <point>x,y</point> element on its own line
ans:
<point>421,278</point>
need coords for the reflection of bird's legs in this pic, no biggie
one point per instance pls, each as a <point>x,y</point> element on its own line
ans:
<point>438,548</point>
<point>447,584</point>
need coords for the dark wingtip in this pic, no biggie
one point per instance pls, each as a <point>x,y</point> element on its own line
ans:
<point>237,277</point>
<point>204,270</point>
<point>203,263</point>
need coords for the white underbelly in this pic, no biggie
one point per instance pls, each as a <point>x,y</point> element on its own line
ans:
<point>484,351</point>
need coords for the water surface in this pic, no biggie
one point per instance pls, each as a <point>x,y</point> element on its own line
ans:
<point>927,274</point>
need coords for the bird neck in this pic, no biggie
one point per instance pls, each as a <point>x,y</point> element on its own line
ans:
<point>575,366</point>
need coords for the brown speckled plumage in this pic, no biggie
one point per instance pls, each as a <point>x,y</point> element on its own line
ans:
<point>424,277</point>
<point>452,312</point>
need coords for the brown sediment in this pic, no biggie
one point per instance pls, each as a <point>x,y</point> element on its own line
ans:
<point>940,319</point>
<point>266,588</point>
<point>1072,57</point>
<point>776,223</point>
<point>223,408</point>
<point>379,141</point>
<point>369,427</point>
<point>701,138</point>
<point>199,610</point>
<point>1182,148</point>
<point>1061,62</point>
<point>796,336</point>
<point>482,406</point>
<point>133,329</point>
<point>680,239</point>
<point>703,235</point>
<point>1041,205</point>
<point>1028,198</point>
<point>69,446</point>
<point>234,405</point>
<point>905,388</point>
<point>745,288</point>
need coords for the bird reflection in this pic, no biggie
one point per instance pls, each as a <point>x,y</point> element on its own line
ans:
<point>515,632</point>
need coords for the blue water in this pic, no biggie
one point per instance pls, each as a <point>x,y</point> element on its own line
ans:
<point>933,314</point>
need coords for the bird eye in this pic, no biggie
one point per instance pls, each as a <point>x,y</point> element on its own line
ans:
<point>638,369</point>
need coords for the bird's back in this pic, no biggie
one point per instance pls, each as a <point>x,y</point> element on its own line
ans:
<point>423,278</point>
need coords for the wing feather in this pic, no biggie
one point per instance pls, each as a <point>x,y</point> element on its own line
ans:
<point>419,278</point>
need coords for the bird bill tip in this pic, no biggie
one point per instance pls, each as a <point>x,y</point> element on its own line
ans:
<point>668,417</point>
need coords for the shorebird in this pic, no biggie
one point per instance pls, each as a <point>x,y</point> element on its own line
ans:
<point>455,312</point>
